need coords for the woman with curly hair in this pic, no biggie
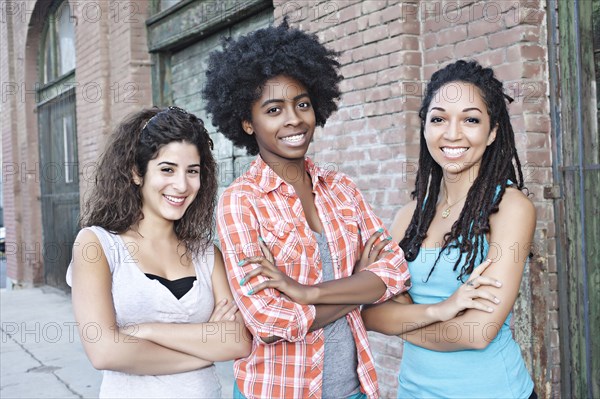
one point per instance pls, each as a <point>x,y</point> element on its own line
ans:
<point>150,293</point>
<point>468,208</point>
<point>267,91</point>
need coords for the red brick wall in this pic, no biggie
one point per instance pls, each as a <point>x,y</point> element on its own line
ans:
<point>8,105</point>
<point>389,49</point>
<point>20,166</point>
<point>94,76</point>
<point>114,65</point>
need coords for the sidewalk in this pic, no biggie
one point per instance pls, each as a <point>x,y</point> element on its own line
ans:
<point>40,352</point>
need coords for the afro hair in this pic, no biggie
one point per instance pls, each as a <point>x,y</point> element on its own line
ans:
<point>237,74</point>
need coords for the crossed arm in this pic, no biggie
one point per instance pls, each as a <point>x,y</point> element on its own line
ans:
<point>325,313</point>
<point>472,310</point>
<point>224,337</point>
<point>114,349</point>
<point>290,310</point>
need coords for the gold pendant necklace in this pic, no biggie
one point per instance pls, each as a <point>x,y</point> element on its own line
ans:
<point>446,211</point>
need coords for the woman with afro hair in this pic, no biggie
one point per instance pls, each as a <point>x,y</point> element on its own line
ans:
<point>466,235</point>
<point>294,235</point>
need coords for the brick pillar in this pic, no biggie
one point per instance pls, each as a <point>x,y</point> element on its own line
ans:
<point>11,93</point>
<point>20,26</point>
<point>113,72</point>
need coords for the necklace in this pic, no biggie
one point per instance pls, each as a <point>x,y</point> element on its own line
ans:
<point>446,212</point>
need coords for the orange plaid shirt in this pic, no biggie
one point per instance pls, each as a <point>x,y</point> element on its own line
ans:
<point>260,203</point>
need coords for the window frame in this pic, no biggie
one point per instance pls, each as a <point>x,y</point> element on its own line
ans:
<point>50,35</point>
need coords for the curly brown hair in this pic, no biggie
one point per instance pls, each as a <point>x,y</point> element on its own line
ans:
<point>115,202</point>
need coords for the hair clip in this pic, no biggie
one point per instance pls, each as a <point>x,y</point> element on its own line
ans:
<point>508,98</point>
<point>211,144</point>
<point>174,108</point>
<point>148,121</point>
<point>171,108</point>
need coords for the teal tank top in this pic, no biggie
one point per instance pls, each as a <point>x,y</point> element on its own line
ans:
<point>497,371</point>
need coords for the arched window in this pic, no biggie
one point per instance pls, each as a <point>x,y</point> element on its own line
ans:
<point>59,44</point>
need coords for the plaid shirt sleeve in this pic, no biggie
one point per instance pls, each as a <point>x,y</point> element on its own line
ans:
<point>391,268</point>
<point>266,312</point>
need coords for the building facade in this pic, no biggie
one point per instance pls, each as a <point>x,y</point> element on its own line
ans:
<point>70,70</point>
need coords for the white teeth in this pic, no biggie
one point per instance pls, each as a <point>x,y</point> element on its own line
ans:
<point>293,139</point>
<point>453,151</point>
<point>174,199</point>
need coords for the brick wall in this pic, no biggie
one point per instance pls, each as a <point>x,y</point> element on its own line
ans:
<point>388,51</point>
<point>93,74</point>
<point>20,163</point>
<point>8,109</point>
<point>29,238</point>
<point>114,64</point>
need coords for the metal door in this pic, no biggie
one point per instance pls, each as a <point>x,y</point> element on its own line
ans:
<point>59,180</point>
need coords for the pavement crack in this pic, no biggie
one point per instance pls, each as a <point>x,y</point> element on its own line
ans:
<point>42,368</point>
<point>21,346</point>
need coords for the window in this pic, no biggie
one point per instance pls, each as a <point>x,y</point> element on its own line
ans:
<point>59,44</point>
<point>182,41</point>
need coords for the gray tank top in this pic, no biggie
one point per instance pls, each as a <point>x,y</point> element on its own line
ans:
<point>138,299</point>
<point>340,378</point>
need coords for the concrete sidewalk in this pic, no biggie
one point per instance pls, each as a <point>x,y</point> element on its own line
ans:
<point>40,352</point>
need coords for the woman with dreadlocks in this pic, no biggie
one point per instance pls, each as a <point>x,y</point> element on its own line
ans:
<point>466,236</point>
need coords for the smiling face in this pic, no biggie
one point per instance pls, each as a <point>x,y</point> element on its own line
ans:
<point>457,128</point>
<point>283,120</point>
<point>171,182</point>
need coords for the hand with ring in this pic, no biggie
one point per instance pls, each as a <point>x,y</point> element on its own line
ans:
<point>467,295</point>
<point>372,252</point>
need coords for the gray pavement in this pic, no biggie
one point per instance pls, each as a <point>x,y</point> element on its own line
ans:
<point>40,352</point>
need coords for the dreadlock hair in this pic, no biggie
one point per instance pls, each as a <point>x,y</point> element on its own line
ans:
<point>235,77</point>
<point>500,163</point>
<point>115,202</point>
